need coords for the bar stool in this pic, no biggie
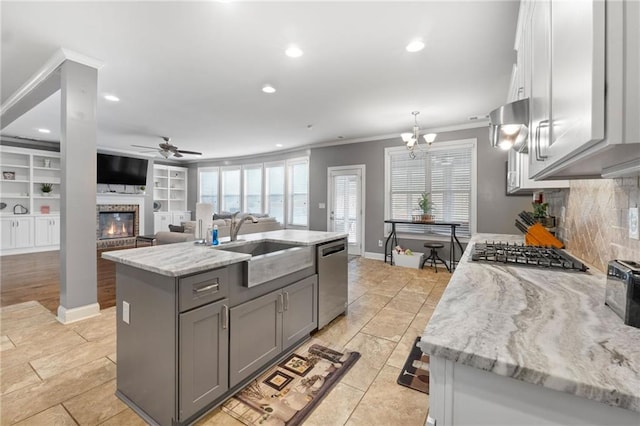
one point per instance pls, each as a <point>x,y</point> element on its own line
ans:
<point>433,256</point>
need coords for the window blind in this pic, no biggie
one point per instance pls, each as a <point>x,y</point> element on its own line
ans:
<point>443,172</point>
<point>346,206</point>
<point>208,190</point>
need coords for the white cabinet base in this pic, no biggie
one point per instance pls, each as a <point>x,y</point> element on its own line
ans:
<point>462,395</point>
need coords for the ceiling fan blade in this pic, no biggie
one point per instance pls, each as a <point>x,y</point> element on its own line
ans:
<point>148,147</point>
<point>177,154</point>
<point>182,151</point>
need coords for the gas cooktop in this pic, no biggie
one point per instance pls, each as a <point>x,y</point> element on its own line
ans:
<point>520,254</point>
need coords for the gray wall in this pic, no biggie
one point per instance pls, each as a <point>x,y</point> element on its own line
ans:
<point>496,211</point>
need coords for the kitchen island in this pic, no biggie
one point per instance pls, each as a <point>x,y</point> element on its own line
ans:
<point>515,345</point>
<point>196,323</point>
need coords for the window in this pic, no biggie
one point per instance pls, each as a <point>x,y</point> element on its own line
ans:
<point>298,171</point>
<point>230,194</point>
<point>274,185</point>
<point>447,172</point>
<point>252,194</point>
<point>280,189</point>
<point>208,186</point>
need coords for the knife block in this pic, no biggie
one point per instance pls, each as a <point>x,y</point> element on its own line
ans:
<point>537,235</point>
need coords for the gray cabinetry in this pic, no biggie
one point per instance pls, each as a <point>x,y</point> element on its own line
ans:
<point>256,335</point>
<point>264,327</point>
<point>298,318</point>
<point>173,340</point>
<point>204,340</point>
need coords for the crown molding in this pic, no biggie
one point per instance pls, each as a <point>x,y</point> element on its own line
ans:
<point>443,129</point>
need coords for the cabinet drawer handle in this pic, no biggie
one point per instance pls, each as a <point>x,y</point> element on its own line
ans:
<point>286,300</point>
<point>206,288</point>
<point>225,317</point>
<point>541,124</point>
<point>280,303</point>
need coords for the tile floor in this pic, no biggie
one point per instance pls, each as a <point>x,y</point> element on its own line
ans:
<point>52,374</point>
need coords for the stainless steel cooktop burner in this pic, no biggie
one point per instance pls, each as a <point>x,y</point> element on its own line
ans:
<point>520,254</point>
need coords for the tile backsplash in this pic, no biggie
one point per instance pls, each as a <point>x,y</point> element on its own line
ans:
<point>595,226</point>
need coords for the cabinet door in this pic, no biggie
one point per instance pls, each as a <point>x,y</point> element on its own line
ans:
<point>300,315</point>
<point>513,177</point>
<point>178,217</point>
<point>568,56</point>
<point>55,230</point>
<point>204,340</point>
<point>23,232</point>
<point>6,233</point>
<point>161,221</point>
<point>255,335</point>
<point>42,232</point>
<point>540,104</point>
<point>577,76</point>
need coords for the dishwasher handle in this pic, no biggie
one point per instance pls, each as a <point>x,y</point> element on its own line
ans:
<point>333,249</point>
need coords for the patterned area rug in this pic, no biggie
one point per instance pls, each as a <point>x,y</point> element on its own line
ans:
<point>415,373</point>
<point>287,393</point>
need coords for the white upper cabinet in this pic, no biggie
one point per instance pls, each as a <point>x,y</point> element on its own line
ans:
<point>580,115</point>
<point>533,82</point>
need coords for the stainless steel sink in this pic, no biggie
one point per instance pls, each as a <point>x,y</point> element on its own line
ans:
<point>272,260</point>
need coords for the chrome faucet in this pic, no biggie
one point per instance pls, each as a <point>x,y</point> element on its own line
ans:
<point>236,223</point>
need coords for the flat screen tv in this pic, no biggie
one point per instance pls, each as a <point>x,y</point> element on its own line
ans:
<point>117,170</point>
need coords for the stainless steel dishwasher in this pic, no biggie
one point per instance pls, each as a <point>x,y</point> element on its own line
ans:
<point>333,283</point>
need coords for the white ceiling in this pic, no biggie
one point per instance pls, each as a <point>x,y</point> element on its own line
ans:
<point>194,70</point>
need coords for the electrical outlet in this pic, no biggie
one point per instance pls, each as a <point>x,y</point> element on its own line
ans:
<point>125,312</point>
<point>379,243</point>
<point>634,227</point>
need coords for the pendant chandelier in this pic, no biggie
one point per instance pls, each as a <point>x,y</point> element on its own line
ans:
<point>413,139</point>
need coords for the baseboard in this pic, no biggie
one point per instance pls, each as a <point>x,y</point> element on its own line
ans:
<point>67,316</point>
<point>373,255</point>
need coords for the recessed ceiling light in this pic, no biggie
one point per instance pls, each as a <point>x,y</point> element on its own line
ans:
<point>267,88</point>
<point>44,130</point>
<point>279,145</point>
<point>112,98</point>
<point>294,52</point>
<point>415,46</point>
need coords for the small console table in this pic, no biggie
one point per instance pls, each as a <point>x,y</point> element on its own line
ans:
<point>145,238</point>
<point>393,238</point>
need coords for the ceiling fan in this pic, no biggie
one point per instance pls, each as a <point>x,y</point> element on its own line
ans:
<point>167,149</point>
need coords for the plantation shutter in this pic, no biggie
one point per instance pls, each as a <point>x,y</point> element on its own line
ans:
<point>345,212</point>
<point>451,188</point>
<point>445,173</point>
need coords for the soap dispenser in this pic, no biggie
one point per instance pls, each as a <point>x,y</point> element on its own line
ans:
<point>214,236</point>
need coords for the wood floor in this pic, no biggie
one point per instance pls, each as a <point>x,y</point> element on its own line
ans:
<point>36,276</point>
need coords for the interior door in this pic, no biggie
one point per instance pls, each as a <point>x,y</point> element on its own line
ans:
<point>345,212</point>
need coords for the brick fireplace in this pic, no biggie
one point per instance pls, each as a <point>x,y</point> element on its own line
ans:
<point>117,225</point>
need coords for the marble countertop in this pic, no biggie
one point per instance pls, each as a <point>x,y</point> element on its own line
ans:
<point>180,259</point>
<point>545,327</point>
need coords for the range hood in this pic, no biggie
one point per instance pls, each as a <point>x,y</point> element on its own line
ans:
<point>509,126</point>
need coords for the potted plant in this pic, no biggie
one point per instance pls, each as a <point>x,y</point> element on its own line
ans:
<point>540,210</point>
<point>541,215</point>
<point>426,206</point>
<point>46,188</point>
